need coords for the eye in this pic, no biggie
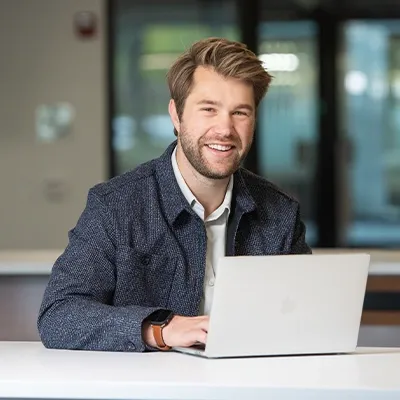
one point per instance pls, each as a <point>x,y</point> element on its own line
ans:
<point>241,113</point>
<point>207,109</point>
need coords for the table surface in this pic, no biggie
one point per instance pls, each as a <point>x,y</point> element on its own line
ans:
<point>40,262</point>
<point>28,370</point>
<point>27,262</point>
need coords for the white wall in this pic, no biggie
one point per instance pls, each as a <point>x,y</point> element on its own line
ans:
<point>42,61</point>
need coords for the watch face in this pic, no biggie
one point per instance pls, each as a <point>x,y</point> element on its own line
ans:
<point>160,317</point>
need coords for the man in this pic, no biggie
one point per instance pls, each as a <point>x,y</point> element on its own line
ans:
<point>139,269</point>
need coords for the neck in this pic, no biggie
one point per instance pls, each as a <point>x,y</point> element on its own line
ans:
<point>209,192</point>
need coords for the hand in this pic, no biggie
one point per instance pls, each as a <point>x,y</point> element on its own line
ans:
<point>186,331</point>
<point>180,332</point>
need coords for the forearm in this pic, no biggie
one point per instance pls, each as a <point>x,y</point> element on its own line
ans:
<point>82,324</point>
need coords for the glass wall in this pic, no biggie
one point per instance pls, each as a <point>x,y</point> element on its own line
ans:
<point>370,109</point>
<point>148,36</point>
<point>288,115</point>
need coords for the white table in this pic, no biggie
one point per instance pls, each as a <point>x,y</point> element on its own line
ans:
<point>27,262</point>
<point>28,370</point>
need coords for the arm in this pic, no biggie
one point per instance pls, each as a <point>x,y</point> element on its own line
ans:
<point>77,310</point>
<point>299,245</point>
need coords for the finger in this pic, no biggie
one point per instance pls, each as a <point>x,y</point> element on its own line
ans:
<point>196,337</point>
<point>202,337</point>
<point>199,336</point>
<point>204,325</point>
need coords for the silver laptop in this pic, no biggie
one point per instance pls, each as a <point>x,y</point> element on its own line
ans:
<point>285,305</point>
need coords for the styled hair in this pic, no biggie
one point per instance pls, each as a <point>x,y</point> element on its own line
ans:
<point>228,58</point>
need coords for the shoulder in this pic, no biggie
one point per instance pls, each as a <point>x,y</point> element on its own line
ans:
<point>265,193</point>
<point>124,186</point>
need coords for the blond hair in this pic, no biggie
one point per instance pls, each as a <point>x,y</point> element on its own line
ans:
<point>228,58</point>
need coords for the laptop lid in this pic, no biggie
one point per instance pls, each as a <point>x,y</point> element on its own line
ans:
<point>287,304</point>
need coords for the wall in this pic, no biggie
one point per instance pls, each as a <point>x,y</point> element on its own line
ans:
<point>43,185</point>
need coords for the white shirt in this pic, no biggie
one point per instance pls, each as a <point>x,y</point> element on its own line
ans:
<point>216,224</point>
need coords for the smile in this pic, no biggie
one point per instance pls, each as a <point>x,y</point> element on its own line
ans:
<point>219,147</point>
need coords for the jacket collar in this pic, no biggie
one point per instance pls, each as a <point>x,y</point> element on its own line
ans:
<point>174,202</point>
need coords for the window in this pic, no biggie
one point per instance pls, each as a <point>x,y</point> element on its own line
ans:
<point>371,123</point>
<point>288,115</point>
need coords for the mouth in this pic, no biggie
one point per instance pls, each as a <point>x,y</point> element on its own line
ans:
<point>220,147</point>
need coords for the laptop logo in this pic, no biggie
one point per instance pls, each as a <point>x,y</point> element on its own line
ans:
<point>288,305</point>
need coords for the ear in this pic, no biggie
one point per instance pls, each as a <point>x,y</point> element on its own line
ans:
<point>174,115</point>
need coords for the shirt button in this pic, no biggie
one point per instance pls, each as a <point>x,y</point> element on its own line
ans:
<point>211,282</point>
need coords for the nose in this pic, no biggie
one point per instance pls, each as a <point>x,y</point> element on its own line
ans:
<point>224,125</point>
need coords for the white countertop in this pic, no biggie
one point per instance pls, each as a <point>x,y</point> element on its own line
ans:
<point>383,262</point>
<point>27,262</point>
<point>40,262</point>
<point>28,370</point>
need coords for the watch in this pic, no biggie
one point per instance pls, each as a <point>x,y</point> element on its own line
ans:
<point>158,321</point>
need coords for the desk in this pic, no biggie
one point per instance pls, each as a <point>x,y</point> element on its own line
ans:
<point>28,370</point>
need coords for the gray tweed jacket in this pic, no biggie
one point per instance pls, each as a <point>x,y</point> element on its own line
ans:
<point>138,246</point>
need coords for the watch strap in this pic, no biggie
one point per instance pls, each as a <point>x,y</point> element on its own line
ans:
<point>158,337</point>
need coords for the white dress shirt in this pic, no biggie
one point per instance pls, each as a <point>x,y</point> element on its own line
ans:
<point>216,224</point>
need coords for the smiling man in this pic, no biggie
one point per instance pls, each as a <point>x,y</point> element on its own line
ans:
<point>139,270</point>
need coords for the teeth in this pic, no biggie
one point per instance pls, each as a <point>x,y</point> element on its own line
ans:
<point>219,147</point>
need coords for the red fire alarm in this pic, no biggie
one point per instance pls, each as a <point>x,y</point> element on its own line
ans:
<point>85,24</point>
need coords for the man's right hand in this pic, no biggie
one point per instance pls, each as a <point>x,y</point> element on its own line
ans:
<point>186,331</point>
<point>181,331</point>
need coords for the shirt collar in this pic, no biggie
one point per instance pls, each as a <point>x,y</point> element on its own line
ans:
<point>174,202</point>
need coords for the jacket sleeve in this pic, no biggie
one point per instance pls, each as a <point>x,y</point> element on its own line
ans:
<point>299,244</point>
<point>77,311</point>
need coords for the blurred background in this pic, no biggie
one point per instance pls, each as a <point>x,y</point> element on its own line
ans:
<point>84,98</point>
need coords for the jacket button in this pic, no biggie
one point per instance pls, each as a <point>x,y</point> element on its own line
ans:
<point>131,346</point>
<point>145,260</point>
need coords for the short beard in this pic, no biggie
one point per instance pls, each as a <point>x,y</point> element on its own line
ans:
<point>199,163</point>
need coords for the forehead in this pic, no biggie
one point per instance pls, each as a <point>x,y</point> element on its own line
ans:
<point>207,82</point>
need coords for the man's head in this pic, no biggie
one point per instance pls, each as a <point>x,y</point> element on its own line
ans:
<point>216,87</point>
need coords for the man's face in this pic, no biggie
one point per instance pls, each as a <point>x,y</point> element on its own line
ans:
<point>217,126</point>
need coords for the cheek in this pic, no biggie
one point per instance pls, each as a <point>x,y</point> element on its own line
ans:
<point>245,130</point>
<point>201,126</point>
<point>195,122</point>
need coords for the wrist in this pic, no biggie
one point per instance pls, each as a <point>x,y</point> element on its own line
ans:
<point>154,327</point>
<point>147,334</point>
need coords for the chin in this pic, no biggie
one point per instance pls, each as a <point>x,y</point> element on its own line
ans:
<point>219,175</point>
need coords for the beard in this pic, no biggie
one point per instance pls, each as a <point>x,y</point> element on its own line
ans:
<point>222,169</point>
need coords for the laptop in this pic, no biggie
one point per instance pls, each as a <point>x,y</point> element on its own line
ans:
<point>285,305</point>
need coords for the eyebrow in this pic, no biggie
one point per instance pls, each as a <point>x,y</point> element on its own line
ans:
<point>218,103</point>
